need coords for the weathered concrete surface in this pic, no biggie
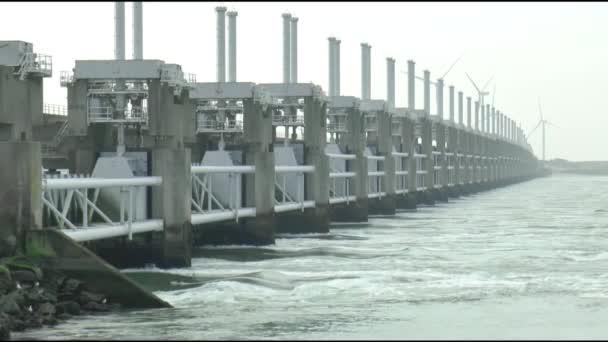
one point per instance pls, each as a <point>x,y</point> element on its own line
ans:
<point>425,197</point>
<point>383,206</point>
<point>256,231</point>
<point>352,212</point>
<point>312,220</point>
<point>20,193</point>
<point>406,201</point>
<point>171,202</point>
<point>54,250</point>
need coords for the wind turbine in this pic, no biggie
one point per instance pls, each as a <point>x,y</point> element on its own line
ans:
<point>481,93</point>
<point>444,74</point>
<point>543,122</point>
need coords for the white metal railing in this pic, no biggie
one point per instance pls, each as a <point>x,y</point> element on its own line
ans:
<point>71,204</point>
<point>210,125</point>
<point>334,127</point>
<point>35,63</point>
<point>209,205</point>
<point>341,182</point>
<point>421,172</point>
<point>436,168</point>
<point>287,120</point>
<point>288,200</point>
<point>65,78</point>
<point>375,179</point>
<point>401,172</point>
<point>190,77</point>
<point>55,109</point>
<point>132,114</point>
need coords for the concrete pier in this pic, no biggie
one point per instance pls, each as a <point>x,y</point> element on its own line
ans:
<point>20,193</point>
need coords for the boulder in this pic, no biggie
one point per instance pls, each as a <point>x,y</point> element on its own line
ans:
<point>5,327</point>
<point>9,304</point>
<point>86,297</point>
<point>68,307</point>
<point>6,282</point>
<point>71,286</point>
<point>25,276</point>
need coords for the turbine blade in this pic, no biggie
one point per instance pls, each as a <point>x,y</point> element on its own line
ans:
<point>488,82</point>
<point>451,66</point>
<point>552,124</point>
<point>474,85</point>
<point>540,111</point>
<point>530,134</point>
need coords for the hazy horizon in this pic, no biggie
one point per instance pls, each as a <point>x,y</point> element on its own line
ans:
<point>547,50</point>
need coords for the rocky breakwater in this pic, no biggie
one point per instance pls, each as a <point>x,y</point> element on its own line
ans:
<point>33,298</point>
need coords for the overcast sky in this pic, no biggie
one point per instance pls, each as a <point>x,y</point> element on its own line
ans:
<point>555,51</point>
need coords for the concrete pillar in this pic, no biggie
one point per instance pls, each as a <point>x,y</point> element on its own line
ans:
<point>365,71</point>
<point>476,115</point>
<point>385,205</point>
<point>411,85</point>
<point>138,45</point>
<point>427,93</point>
<point>232,45</point>
<point>443,173</point>
<point>294,50</point>
<point>390,83</point>
<point>354,144</point>
<point>171,202</point>
<point>221,43</point>
<point>119,30</point>
<point>451,103</point>
<point>407,135</point>
<point>259,188</point>
<point>332,67</point>
<point>440,98</point>
<point>286,47</point>
<point>20,194</point>
<point>468,111</point>
<point>337,65</point>
<point>489,119</point>
<point>483,119</point>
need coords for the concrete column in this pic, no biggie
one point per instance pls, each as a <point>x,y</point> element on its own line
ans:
<point>312,220</point>
<point>427,148</point>
<point>259,188</point>
<point>355,144</point>
<point>440,98</point>
<point>232,45</point>
<point>488,120</point>
<point>390,83</point>
<point>411,85</point>
<point>337,66</point>
<point>221,43</point>
<point>294,50</point>
<point>427,93</point>
<point>451,103</point>
<point>119,30</point>
<point>171,202</point>
<point>407,134</point>
<point>332,67</point>
<point>286,47</point>
<point>365,71</point>
<point>483,119</point>
<point>443,173</point>
<point>137,30</point>
<point>476,115</point>
<point>20,194</point>
<point>385,205</point>
<point>468,111</point>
